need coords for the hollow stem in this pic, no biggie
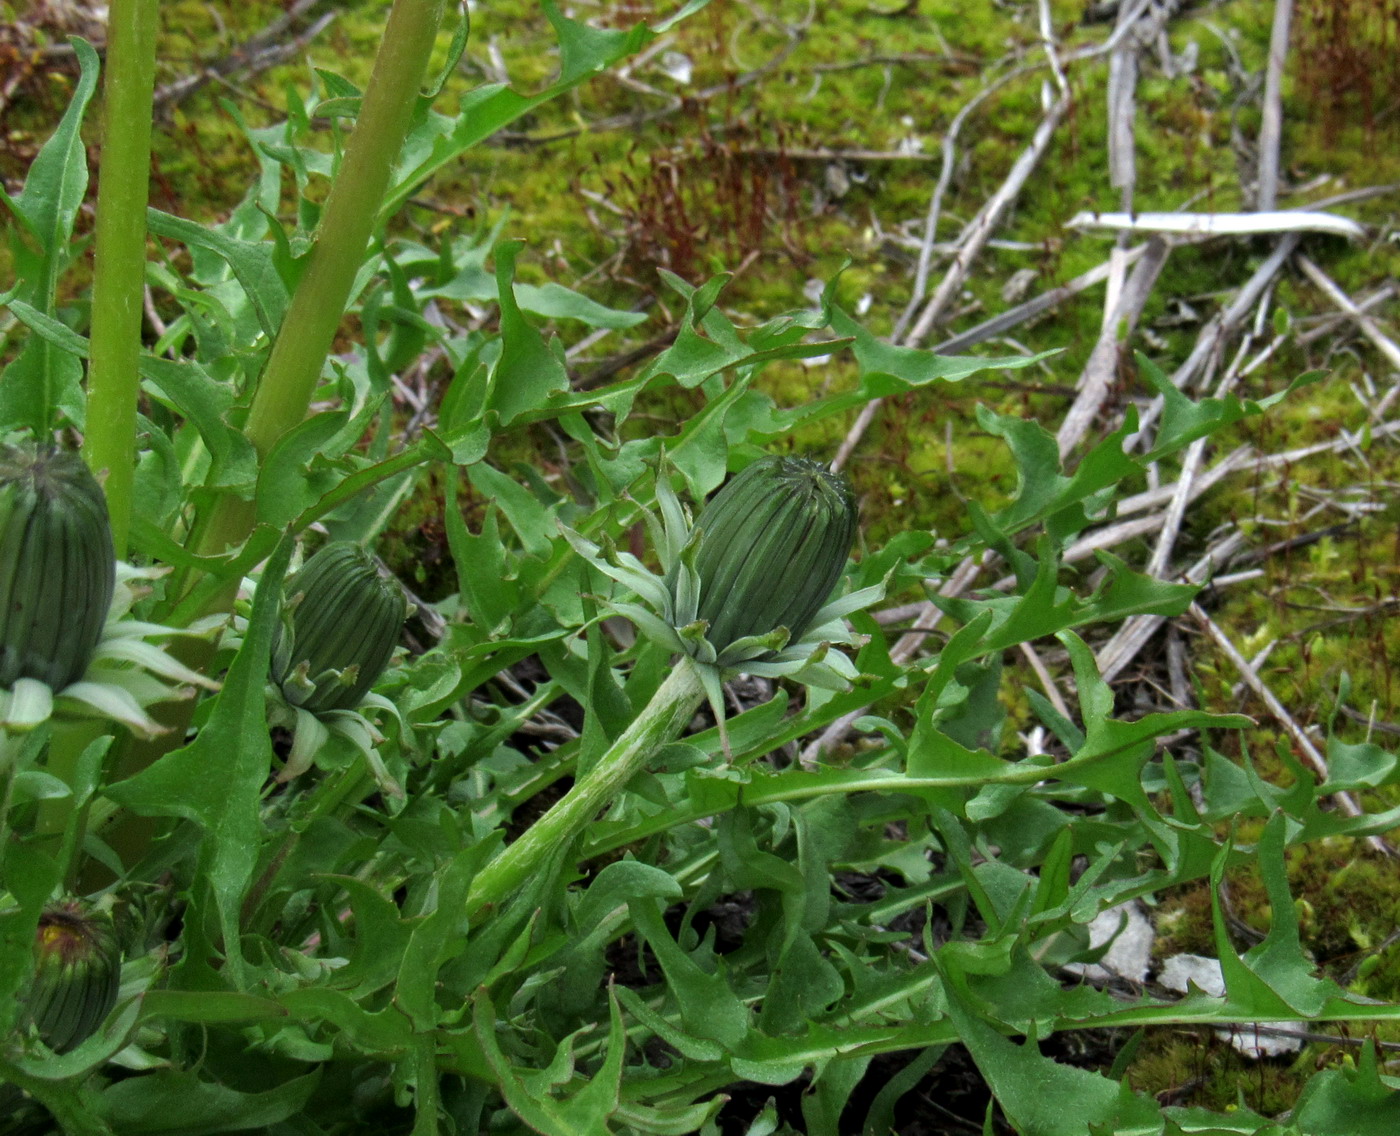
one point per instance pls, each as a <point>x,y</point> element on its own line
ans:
<point>662,721</point>
<point>285,388</point>
<point>308,330</point>
<point>119,269</point>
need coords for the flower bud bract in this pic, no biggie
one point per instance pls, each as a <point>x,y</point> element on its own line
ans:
<point>77,976</point>
<point>346,613</point>
<point>57,565</point>
<point>773,543</point>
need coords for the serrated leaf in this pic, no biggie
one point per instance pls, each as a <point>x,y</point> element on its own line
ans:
<point>1361,765</point>
<point>385,1033</point>
<point>217,779</point>
<point>381,939</point>
<point>585,1111</point>
<point>191,390</point>
<point>174,1101</point>
<point>1041,1096</point>
<point>1183,421</point>
<point>618,884</point>
<point>250,262</point>
<point>43,380</point>
<point>914,366</point>
<point>285,485</point>
<point>709,1007</point>
<point>434,939</point>
<point>209,1006</point>
<point>527,371</point>
<point>1349,1102</point>
<point>1277,963</point>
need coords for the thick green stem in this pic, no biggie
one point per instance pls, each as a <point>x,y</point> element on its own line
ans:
<point>665,716</point>
<point>308,329</point>
<point>347,223</point>
<point>288,382</point>
<point>120,255</point>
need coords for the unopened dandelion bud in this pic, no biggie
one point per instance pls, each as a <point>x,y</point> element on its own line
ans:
<point>57,565</point>
<point>345,613</point>
<point>77,975</point>
<point>773,544</point>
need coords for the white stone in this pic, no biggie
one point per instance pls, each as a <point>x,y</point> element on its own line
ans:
<point>1180,971</point>
<point>677,67</point>
<point>1130,951</point>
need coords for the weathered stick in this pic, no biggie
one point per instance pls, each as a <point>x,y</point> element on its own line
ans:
<point>1384,344</point>
<point>1037,305</point>
<point>980,229</point>
<point>1271,123</point>
<point>1221,224</point>
<point>1097,378</point>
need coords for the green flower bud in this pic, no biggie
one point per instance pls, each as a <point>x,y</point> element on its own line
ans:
<point>78,973</point>
<point>773,543</point>
<point>346,612</point>
<point>57,565</point>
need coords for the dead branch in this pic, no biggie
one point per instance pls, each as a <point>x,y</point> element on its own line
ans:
<point>1024,313</point>
<point>1221,224</point>
<point>1304,744</point>
<point>980,229</point>
<point>1384,344</point>
<point>259,52</point>
<point>1119,320</point>
<point>1271,124</point>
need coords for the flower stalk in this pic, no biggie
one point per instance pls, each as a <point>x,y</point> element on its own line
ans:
<point>288,382</point>
<point>119,269</point>
<point>662,721</point>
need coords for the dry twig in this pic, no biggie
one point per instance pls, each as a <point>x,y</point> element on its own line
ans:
<point>1304,744</point>
<point>259,52</point>
<point>1384,344</point>
<point>1271,124</point>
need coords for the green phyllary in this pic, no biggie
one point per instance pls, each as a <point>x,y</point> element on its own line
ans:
<point>77,974</point>
<point>343,617</point>
<point>772,545</point>
<point>57,566</point>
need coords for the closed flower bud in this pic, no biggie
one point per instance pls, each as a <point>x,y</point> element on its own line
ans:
<point>77,976</point>
<point>773,543</point>
<point>57,566</point>
<point>345,615</point>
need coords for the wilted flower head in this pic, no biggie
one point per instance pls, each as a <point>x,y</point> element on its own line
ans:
<point>77,974</point>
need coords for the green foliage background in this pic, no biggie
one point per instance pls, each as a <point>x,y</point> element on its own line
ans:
<point>310,960</point>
